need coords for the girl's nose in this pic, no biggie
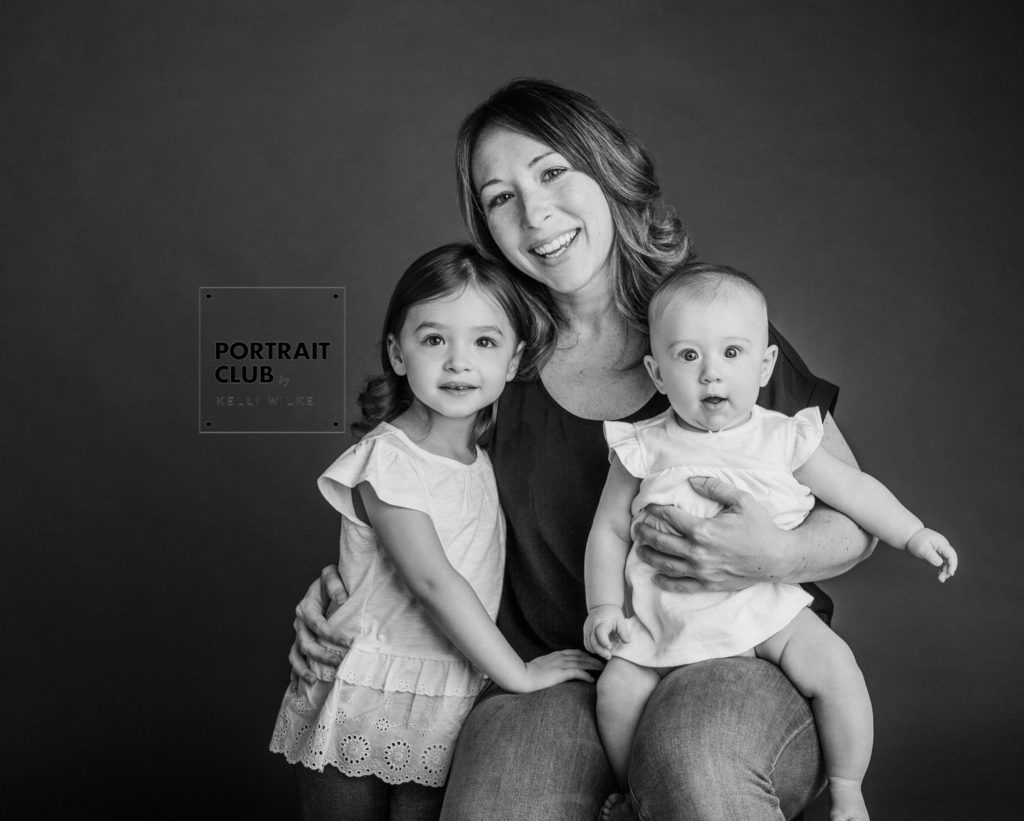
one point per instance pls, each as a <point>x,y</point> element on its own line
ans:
<point>456,360</point>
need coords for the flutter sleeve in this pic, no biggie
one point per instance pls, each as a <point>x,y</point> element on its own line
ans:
<point>807,433</point>
<point>623,442</point>
<point>389,469</point>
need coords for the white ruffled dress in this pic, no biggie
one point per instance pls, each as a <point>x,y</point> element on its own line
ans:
<point>759,456</point>
<point>397,702</point>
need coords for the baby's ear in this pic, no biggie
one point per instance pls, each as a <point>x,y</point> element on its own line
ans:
<point>513,365</point>
<point>771,355</point>
<point>655,372</point>
<point>395,355</point>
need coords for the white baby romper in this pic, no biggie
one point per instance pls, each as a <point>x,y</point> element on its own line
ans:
<point>759,456</point>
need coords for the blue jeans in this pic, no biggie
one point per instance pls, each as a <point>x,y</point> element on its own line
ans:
<point>722,739</point>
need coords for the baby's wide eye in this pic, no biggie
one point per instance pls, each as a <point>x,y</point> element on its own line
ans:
<point>688,355</point>
<point>732,352</point>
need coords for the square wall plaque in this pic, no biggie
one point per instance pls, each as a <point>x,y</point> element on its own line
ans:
<point>272,360</point>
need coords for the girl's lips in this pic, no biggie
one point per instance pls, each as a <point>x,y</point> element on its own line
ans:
<point>555,247</point>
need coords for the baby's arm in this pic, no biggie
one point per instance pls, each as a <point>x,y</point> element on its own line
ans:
<point>607,548</point>
<point>873,506</point>
<point>410,540</point>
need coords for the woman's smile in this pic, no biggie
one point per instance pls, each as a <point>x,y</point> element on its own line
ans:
<point>555,247</point>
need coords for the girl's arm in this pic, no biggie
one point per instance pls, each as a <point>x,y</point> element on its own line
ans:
<point>605,561</point>
<point>874,507</point>
<point>741,545</point>
<point>410,540</point>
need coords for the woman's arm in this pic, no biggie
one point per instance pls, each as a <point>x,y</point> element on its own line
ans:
<point>409,539</point>
<point>742,546</point>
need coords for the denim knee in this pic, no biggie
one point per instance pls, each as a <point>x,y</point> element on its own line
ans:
<point>729,738</point>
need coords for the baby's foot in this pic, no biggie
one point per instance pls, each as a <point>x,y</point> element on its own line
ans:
<point>618,807</point>
<point>847,800</point>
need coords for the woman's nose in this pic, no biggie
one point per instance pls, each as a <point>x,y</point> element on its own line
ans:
<point>534,206</point>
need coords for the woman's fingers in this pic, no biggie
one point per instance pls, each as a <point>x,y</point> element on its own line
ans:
<point>718,490</point>
<point>332,585</point>
<point>298,663</point>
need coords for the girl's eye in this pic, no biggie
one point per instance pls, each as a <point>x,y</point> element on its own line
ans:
<point>499,199</point>
<point>433,340</point>
<point>732,352</point>
<point>550,174</point>
<point>688,355</point>
<point>487,342</point>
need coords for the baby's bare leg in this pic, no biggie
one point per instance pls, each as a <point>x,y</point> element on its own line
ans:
<point>622,693</point>
<point>822,667</point>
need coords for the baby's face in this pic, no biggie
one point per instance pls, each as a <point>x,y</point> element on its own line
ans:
<point>711,358</point>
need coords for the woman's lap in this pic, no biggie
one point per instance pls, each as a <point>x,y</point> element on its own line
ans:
<point>728,738</point>
<point>529,756</point>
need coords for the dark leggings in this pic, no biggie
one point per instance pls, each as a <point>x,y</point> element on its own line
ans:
<point>334,796</point>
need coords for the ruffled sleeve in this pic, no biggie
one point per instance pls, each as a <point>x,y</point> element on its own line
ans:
<point>389,468</point>
<point>623,442</point>
<point>807,433</point>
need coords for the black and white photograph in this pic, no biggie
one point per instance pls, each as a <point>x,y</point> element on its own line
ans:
<point>543,411</point>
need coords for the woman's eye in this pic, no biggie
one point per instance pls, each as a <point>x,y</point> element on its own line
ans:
<point>499,199</point>
<point>688,355</point>
<point>552,174</point>
<point>732,352</point>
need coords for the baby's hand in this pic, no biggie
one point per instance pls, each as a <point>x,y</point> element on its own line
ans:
<point>605,625</point>
<point>935,549</point>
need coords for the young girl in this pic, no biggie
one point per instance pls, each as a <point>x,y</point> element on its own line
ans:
<point>710,355</point>
<point>422,550</point>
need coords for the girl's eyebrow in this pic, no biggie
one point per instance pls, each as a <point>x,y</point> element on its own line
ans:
<point>530,164</point>
<point>440,326</point>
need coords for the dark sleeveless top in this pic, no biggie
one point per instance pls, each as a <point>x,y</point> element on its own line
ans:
<point>551,467</point>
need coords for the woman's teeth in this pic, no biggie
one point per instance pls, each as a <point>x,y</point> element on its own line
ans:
<point>556,246</point>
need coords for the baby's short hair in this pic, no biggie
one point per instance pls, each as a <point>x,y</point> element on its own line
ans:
<point>704,282</point>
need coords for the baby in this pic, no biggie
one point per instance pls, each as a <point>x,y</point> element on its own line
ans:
<point>710,354</point>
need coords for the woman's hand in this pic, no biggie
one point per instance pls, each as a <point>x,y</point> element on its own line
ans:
<point>311,624</point>
<point>734,549</point>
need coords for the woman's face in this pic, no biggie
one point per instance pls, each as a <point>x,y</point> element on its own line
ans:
<point>550,221</point>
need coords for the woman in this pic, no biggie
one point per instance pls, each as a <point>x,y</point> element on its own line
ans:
<point>550,183</point>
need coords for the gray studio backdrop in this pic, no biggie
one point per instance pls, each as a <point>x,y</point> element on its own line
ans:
<point>862,160</point>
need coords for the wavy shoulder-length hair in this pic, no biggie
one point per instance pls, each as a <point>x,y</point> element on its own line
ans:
<point>650,240</point>
<point>443,272</point>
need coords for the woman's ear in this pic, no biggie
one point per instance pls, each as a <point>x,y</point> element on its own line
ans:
<point>395,355</point>
<point>513,365</point>
<point>652,368</point>
<point>771,354</point>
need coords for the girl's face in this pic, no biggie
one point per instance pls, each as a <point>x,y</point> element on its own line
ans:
<point>711,359</point>
<point>550,221</point>
<point>457,353</point>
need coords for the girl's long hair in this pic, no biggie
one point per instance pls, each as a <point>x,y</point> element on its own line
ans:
<point>437,274</point>
<point>650,240</point>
